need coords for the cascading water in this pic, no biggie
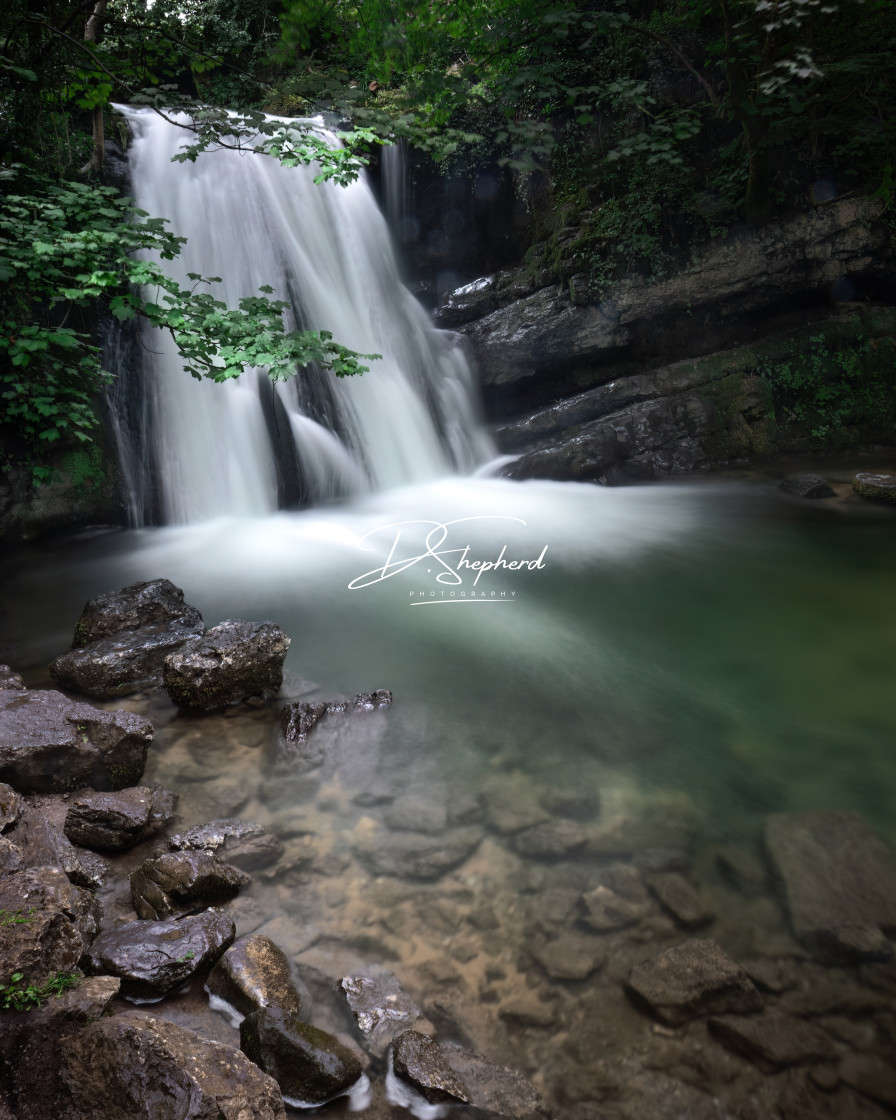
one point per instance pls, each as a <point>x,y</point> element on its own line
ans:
<point>204,450</point>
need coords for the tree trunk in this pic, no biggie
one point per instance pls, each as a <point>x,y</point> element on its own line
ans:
<point>91,35</point>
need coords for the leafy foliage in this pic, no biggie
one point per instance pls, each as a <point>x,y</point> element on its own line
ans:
<point>837,395</point>
<point>20,995</point>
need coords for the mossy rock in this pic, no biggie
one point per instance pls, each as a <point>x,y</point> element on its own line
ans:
<point>877,487</point>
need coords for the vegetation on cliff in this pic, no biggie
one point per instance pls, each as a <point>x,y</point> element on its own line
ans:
<point>634,128</point>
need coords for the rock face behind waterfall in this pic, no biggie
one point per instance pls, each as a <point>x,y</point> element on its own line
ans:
<point>232,662</point>
<point>657,378</point>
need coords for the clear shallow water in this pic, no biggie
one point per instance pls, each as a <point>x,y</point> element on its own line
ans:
<point>709,638</point>
<point>687,660</point>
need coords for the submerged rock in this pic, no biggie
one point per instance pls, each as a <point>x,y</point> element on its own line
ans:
<point>153,603</point>
<point>154,959</point>
<point>299,719</point>
<point>310,1066</point>
<point>877,487</point>
<point>680,898</point>
<point>493,1088</point>
<point>142,1067</point>
<point>690,981</point>
<point>244,844</point>
<point>382,1009</point>
<point>807,486</point>
<point>419,1060</point>
<point>11,680</point>
<point>835,874</point>
<point>177,883</point>
<point>49,924</point>
<point>773,1041</point>
<point>233,661</point>
<point>620,899</point>
<point>372,701</point>
<point>114,822</point>
<point>252,974</point>
<point>551,840</point>
<point>571,956</point>
<point>50,744</point>
<point>416,855</point>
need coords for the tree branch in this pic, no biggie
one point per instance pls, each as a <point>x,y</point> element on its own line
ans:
<point>711,93</point>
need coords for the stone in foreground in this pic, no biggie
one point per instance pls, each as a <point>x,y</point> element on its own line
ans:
<point>141,1067</point>
<point>620,899</point>
<point>807,486</point>
<point>418,1060</point>
<point>244,844</point>
<point>114,822</point>
<point>153,603</point>
<point>310,1066</point>
<point>382,1009</point>
<point>691,981</point>
<point>59,921</point>
<point>254,973</point>
<point>50,744</point>
<point>232,662</point>
<point>43,844</point>
<point>178,883</point>
<point>154,959</point>
<point>877,487</point>
<point>834,872</point>
<point>773,1041</point>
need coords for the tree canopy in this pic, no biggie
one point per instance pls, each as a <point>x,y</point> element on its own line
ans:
<point>646,123</point>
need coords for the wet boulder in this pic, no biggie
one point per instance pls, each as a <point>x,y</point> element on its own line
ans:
<point>178,883</point>
<point>418,1060</point>
<point>298,720</point>
<point>381,1008</point>
<point>142,1067</point>
<point>43,844</point>
<point>372,701</point>
<point>690,981</point>
<point>116,821</point>
<point>233,661</point>
<point>154,603</point>
<point>876,487</point>
<point>122,639</point>
<point>119,666</point>
<point>49,923</point>
<point>834,873</point>
<point>154,959</point>
<point>807,486</point>
<point>773,1041</point>
<point>11,807</point>
<point>29,1045</point>
<point>50,744</point>
<point>243,844</point>
<point>310,1066</point>
<point>252,974</point>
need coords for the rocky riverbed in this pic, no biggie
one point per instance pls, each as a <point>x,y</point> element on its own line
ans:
<point>511,947</point>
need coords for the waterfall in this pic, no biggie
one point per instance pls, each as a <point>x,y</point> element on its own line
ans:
<point>193,450</point>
